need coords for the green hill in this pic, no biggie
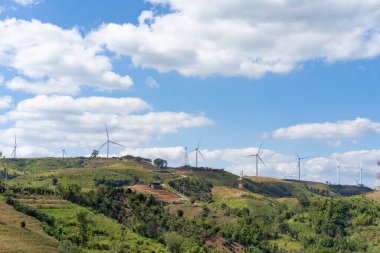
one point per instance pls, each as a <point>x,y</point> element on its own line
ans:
<point>86,205</point>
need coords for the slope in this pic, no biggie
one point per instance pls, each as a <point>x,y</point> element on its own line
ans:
<point>14,238</point>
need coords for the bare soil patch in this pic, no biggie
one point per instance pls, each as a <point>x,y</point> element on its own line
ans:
<point>160,194</point>
<point>217,242</point>
<point>374,195</point>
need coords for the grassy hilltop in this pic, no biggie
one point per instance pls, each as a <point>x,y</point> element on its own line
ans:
<point>102,205</point>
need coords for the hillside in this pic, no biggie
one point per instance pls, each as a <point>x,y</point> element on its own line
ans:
<point>375,195</point>
<point>31,238</point>
<point>195,211</point>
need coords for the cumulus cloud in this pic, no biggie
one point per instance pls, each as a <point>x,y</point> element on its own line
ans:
<point>52,60</point>
<point>233,160</point>
<point>278,165</point>
<point>328,130</point>
<point>56,121</point>
<point>247,38</point>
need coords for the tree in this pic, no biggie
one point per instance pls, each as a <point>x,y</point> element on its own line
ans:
<point>161,163</point>
<point>83,226</point>
<point>95,153</point>
<point>180,213</point>
<point>303,200</point>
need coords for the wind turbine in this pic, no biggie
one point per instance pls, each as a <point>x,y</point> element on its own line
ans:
<point>108,141</point>
<point>63,152</point>
<point>338,166</point>
<point>361,173</point>
<point>197,151</point>
<point>257,155</point>
<point>14,149</point>
<point>299,164</point>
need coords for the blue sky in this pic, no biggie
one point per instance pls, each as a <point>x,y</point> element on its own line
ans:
<point>164,73</point>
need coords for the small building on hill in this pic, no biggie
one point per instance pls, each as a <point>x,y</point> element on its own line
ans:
<point>155,186</point>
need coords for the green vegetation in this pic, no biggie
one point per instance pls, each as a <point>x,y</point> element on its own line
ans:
<point>86,205</point>
<point>197,189</point>
<point>84,172</point>
<point>82,229</point>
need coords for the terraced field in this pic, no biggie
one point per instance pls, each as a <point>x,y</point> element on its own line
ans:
<point>14,238</point>
<point>160,194</point>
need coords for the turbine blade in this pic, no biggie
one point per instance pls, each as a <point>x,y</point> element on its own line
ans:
<point>117,144</point>
<point>307,157</point>
<point>261,145</point>
<point>262,161</point>
<point>250,155</point>
<point>337,164</point>
<point>199,143</point>
<point>102,145</point>
<point>107,130</point>
<point>201,154</point>
<point>296,154</point>
<point>12,153</point>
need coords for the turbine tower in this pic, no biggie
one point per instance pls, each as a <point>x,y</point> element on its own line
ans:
<point>240,180</point>
<point>338,166</point>
<point>361,173</point>
<point>258,157</point>
<point>108,141</point>
<point>197,151</point>
<point>299,164</point>
<point>14,149</point>
<point>63,153</point>
<point>186,158</point>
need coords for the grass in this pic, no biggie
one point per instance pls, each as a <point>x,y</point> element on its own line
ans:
<point>85,175</point>
<point>259,205</point>
<point>190,211</point>
<point>287,244</point>
<point>107,235</point>
<point>14,238</point>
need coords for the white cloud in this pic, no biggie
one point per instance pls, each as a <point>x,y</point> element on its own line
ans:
<point>278,165</point>
<point>26,2</point>
<point>56,121</point>
<point>5,102</point>
<point>328,130</point>
<point>174,154</point>
<point>151,82</point>
<point>51,60</point>
<point>248,38</point>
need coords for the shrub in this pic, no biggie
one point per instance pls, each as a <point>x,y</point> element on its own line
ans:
<point>68,247</point>
<point>180,213</point>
